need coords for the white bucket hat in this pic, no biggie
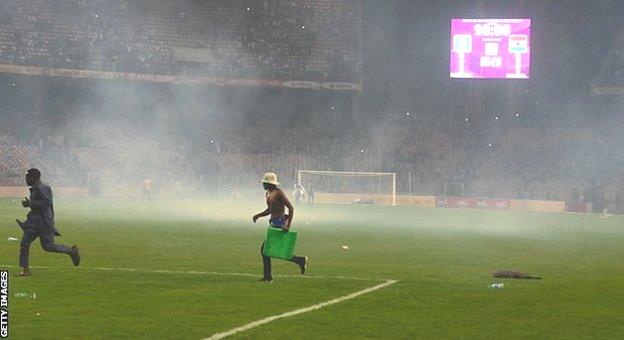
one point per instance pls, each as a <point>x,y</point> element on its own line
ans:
<point>270,178</point>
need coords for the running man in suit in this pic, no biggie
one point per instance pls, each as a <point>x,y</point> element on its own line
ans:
<point>40,223</point>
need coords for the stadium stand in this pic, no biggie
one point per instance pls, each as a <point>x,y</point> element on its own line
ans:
<point>610,79</point>
<point>273,39</point>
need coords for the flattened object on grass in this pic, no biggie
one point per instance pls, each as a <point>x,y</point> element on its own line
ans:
<point>512,274</point>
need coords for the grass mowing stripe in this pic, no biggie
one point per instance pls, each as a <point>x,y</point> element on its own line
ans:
<point>299,311</point>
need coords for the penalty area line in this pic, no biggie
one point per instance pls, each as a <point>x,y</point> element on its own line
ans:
<point>317,306</point>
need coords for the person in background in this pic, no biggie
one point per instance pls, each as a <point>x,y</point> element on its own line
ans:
<point>299,193</point>
<point>147,189</point>
<point>311,193</point>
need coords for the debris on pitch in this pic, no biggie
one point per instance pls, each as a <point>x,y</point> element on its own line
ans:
<point>512,274</point>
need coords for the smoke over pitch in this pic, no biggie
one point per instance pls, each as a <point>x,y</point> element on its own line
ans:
<point>189,139</point>
<point>540,139</point>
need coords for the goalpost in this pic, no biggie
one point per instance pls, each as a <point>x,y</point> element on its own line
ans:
<point>350,186</point>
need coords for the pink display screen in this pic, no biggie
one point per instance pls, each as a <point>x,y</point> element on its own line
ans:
<point>490,48</point>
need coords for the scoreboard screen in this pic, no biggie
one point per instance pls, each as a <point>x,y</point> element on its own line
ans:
<point>490,48</point>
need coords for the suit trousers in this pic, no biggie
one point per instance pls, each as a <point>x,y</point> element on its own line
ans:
<point>46,238</point>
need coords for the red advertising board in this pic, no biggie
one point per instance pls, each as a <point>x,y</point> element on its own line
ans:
<point>579,207</point>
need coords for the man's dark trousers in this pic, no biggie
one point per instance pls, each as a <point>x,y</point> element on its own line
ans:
<point>40,223</point>
<point>266,262</point>
<point>46,238</point>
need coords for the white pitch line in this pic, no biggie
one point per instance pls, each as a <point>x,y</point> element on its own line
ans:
<point>299,311</point>
<point>195,272</point>
<point>260,322</point>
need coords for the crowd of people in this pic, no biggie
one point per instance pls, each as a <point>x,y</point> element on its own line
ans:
<point>270,39</point>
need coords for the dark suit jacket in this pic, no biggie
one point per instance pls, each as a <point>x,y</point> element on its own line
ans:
<point>41,215</point>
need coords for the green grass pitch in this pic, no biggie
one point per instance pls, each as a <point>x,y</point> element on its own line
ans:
<point>442,258</point>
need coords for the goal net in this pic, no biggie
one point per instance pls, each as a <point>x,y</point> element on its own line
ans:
<point>349,187</point>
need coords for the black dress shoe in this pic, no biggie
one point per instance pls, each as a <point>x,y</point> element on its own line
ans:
<point>303,265</point>
<point>75,256</point>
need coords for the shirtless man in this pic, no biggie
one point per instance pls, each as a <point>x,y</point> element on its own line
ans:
<point>276,201</point>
